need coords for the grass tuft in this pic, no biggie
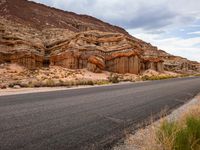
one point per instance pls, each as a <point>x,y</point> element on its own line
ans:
<point>180,135</point>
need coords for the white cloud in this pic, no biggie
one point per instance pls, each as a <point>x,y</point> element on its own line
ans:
<point>195,32</point>
<point>194,25</point>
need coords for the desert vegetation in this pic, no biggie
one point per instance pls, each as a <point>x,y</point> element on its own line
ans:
<point>197,75</point>
<point>162,77</point>
<point>113,78</point>
<point>179,135</point>
<point>16,76</point>
<point>53,83</point>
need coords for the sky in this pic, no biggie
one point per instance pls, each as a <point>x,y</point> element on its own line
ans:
<point>171,25</point>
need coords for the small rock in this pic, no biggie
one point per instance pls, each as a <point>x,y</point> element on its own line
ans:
<point>16,86</point>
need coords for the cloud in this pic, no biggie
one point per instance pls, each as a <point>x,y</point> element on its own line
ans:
<point>195,32</point>
<point>129,14</point>
<point>151,19</point>
<point>185,47</point>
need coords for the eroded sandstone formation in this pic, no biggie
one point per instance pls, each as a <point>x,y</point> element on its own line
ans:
<point>19,44</point>
<point>181,65</point>
<point>98,51</point>
<point>173,63</point>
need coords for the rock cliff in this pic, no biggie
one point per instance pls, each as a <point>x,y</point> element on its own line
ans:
<point>35,35</point>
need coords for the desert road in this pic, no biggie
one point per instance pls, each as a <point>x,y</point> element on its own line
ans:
<point>86,118</point>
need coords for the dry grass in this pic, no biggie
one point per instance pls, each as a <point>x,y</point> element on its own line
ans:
<point>194,111</point>
<point>197,75</point>
<point>180,134</point>
<point>160,77</point>
<point>57,83</point>
<point>163,77</point>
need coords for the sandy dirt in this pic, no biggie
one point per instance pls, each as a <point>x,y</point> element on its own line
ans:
<point>155,73</point>
<point>17,79</point>
<point>13,74</point>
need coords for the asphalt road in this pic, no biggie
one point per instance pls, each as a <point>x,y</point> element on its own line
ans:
<point>85,118</point>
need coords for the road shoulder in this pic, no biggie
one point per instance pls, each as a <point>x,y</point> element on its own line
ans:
<point>12,91</point>
<point>142,138</point>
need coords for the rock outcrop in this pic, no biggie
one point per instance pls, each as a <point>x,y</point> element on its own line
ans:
<point>173,63</point>
<point>42,36</point>
<point>98,51</point>
<point>20,44</point>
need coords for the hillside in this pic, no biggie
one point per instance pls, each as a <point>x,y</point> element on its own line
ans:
<point>34,35</point>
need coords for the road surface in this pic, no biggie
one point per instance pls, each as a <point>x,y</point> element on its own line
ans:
<point>85,118</point>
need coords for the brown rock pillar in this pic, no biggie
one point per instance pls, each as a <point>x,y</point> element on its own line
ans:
<point>160,67</point>
<point>134,64</point>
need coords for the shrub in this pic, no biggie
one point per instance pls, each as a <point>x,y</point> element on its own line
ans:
<point>183,75</point>
<point>37,84</point>
<point>11,85</point>
<point>177,136</point>
<point>163,77</point>
<point>102,82</point>
<point>113,78</point>
<point>166,134</point>
<point>84,82</point>
<point>3,87</point>
<point>24,85</point>
<point>33,84</point>
<point>90,82</point>
<point>61,83</point>
<point>188,138</point>
<point>144,78</point>
<point>50,83</point>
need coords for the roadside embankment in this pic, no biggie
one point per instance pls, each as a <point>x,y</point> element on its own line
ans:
<point>178,131</point>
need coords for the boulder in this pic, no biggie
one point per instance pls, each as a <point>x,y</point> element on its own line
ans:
<point>16,86</point>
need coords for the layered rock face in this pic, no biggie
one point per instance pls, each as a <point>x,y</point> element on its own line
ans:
<point>35,35</point>
<point>94,50</point>
<point>173,63</point>
<point>181,65</point>
<point>19,44</point>
<point>98,51</point>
